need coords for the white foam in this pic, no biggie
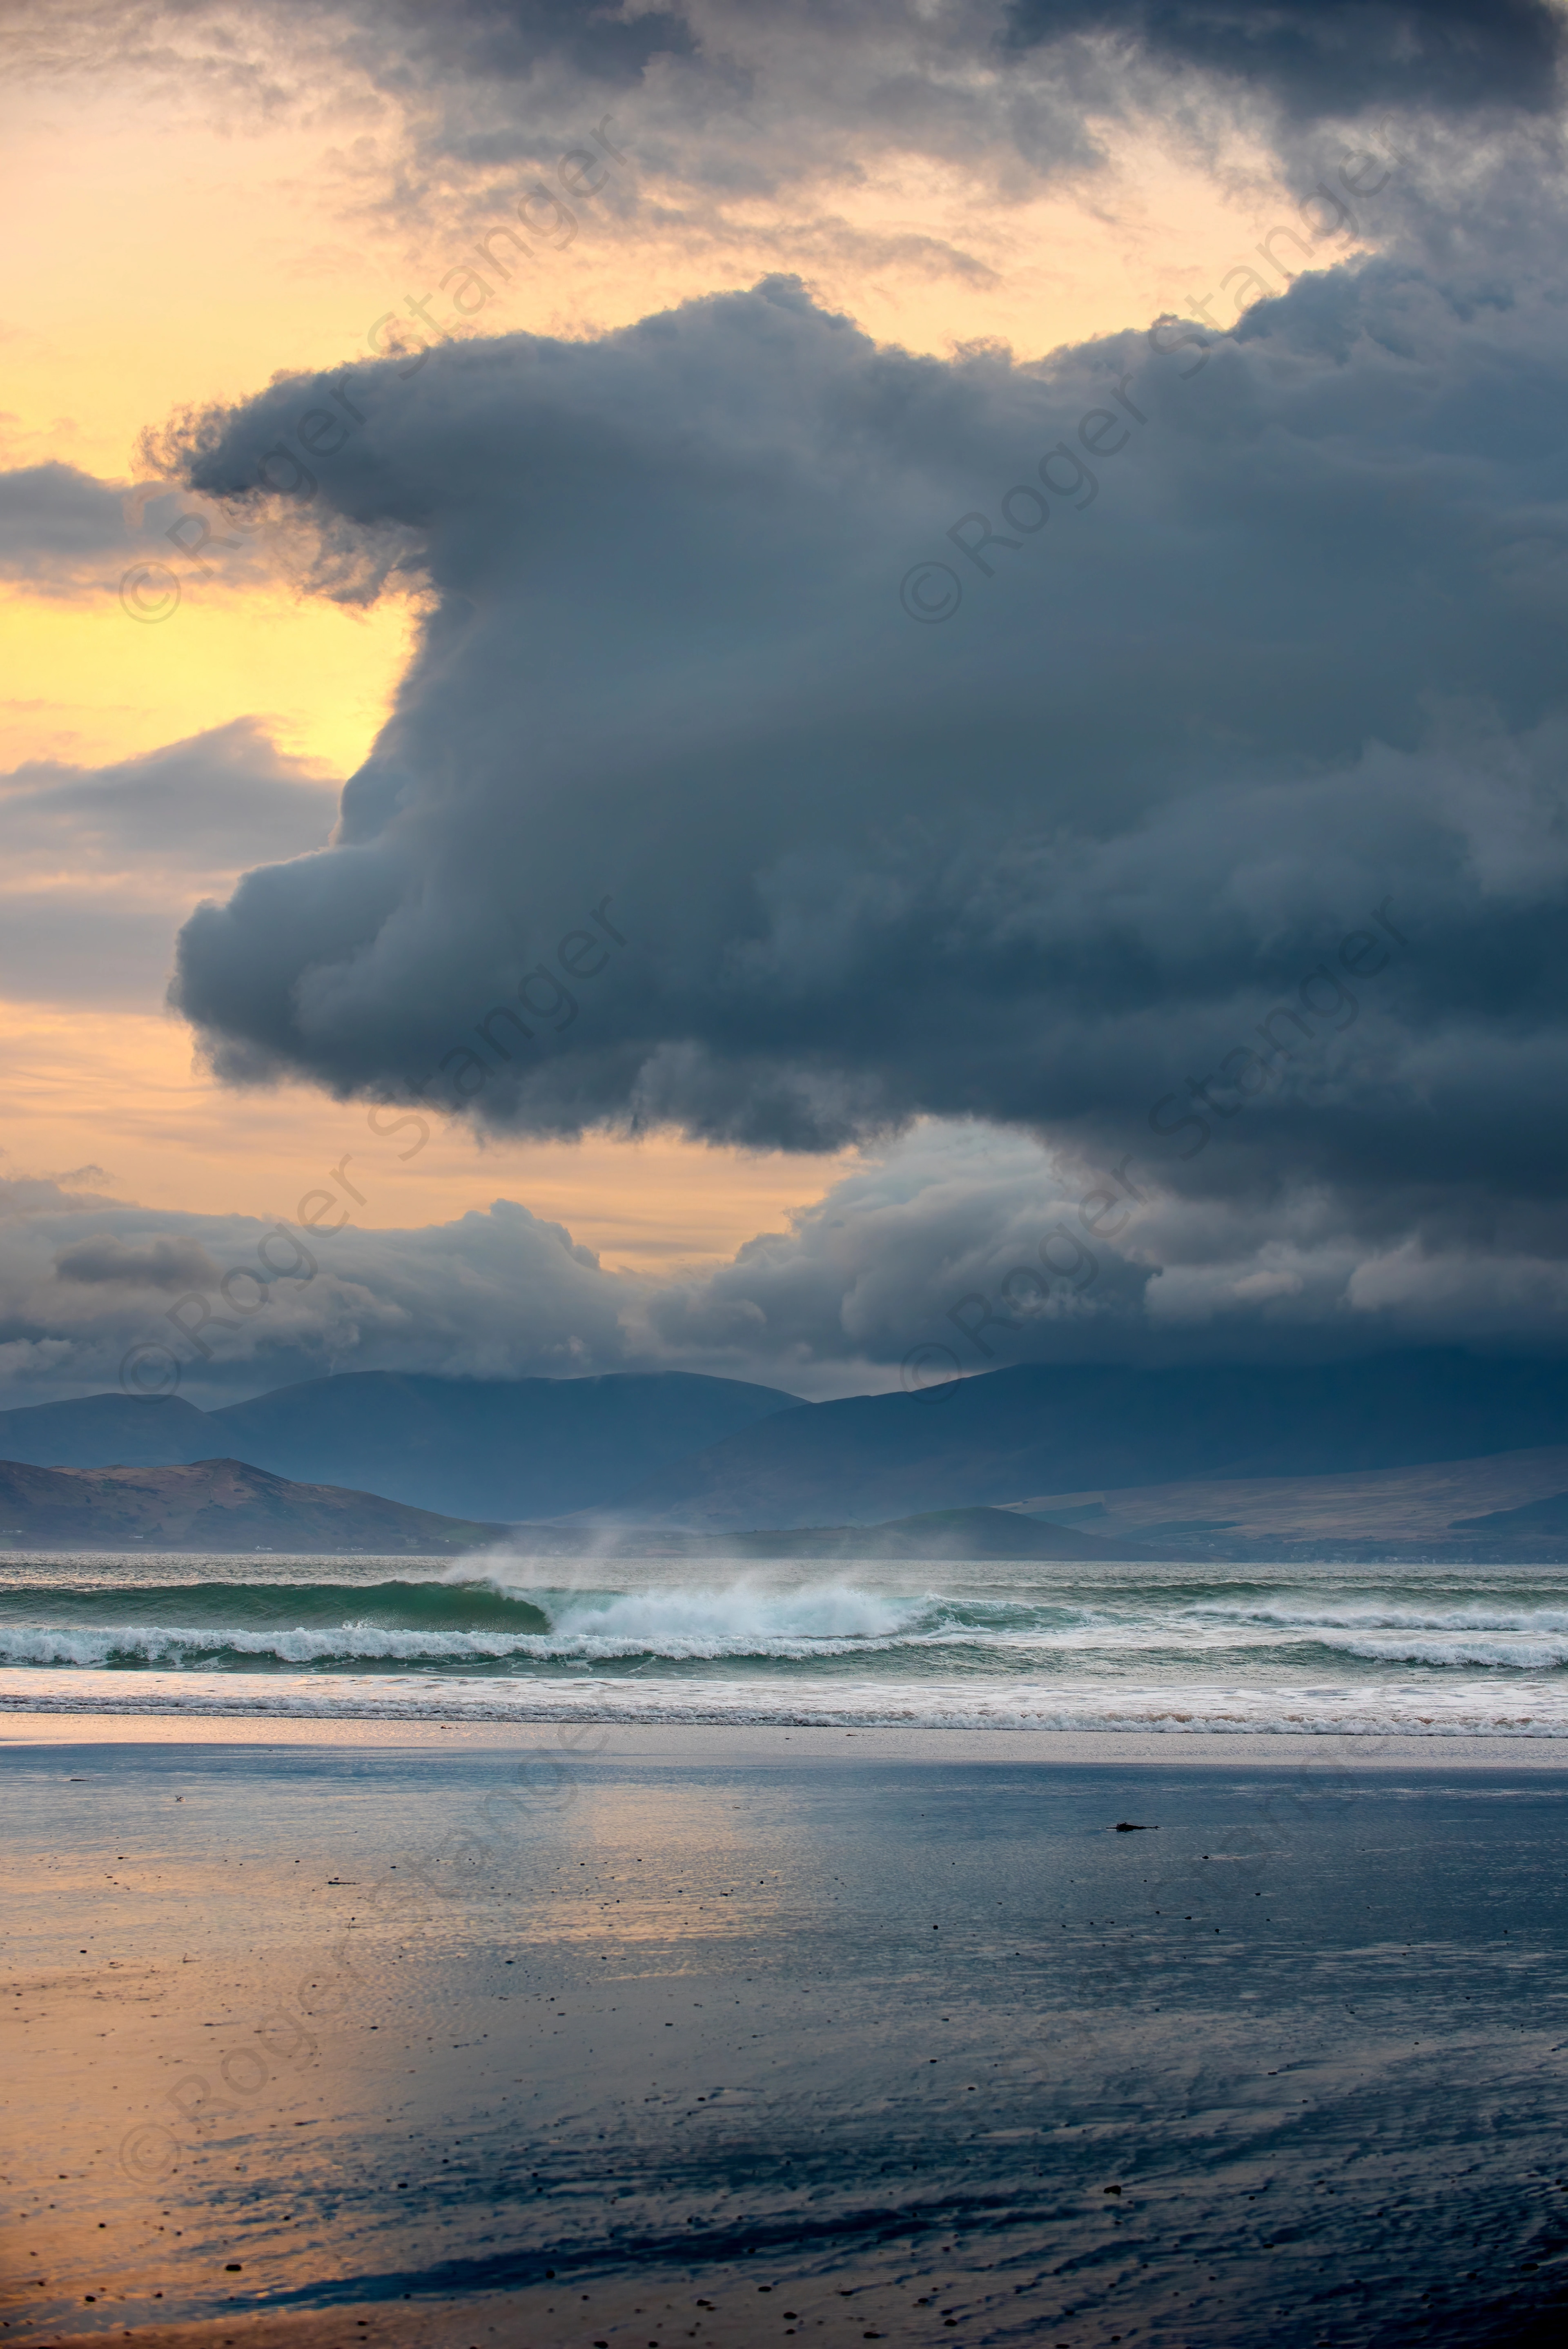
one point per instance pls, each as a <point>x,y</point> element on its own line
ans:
<point>745,1617</point>
<point>1457,1708</point>
<point>353,1642</point>
<point>1325,1616</point>
<point>1510,1655</point>
<point>678,1626</point>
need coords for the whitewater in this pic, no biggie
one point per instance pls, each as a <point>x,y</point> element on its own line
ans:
<point>1248,1648</point>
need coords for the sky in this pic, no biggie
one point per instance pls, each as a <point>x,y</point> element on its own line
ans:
<point>834,692</point>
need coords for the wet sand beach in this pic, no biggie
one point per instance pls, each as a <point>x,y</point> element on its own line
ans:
<point>395,2033</point>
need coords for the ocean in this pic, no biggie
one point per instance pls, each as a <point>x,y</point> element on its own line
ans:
<point>1419,1650</point>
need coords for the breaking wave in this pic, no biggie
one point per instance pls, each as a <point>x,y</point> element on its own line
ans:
<point>1016,1645</point>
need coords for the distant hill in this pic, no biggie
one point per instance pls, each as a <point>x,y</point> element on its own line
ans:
<point>491,1448</point>
<point>1548,1518</point>
<point>103,1431</point>
<point>996,1438</point>
<point>213,1505</point>
<point>677,1450</point>
<point>1392,1513</point>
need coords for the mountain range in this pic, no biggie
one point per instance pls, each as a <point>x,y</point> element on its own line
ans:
<point>1202,1456</point>
<point>997,1438</point>
<point>506,1449</point>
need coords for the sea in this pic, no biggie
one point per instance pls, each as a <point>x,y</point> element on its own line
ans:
<point>619,2031</point>
<point>1243,1648</point>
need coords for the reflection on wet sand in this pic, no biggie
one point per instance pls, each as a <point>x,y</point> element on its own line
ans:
<point>751,2035</point>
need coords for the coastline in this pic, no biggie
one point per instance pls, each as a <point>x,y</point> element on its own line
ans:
<point>731,1742</point>
<point>1463,1710</point>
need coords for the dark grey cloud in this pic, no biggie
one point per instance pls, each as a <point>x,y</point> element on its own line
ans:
<point>771,97</point>
<point>243,1305</point>
<point>932,1250</point>
<point>720,102</point>
<point>904,66</point>
<point>674,780</point>
<point>172,1260</point>
<point>1334,57</point>
<point>716,97</point>
<point>512,40</point>
<point>1292,654</point>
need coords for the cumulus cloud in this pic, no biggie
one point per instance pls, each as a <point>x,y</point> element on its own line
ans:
<point>956,1251</point>
<point>101,863</point>
<point>22,1195</point>
<point>1218,833</point>
<point>1264,637</point>
<point>961,1250</point>
<point>239,1305</point>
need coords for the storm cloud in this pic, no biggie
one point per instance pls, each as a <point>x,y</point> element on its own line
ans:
<point>1333,57</point>
<point>1121,792</point>
<point>96,1293</point>
<point>957,1250</point>
<point>1259,632</point>
<point>722,104</point>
